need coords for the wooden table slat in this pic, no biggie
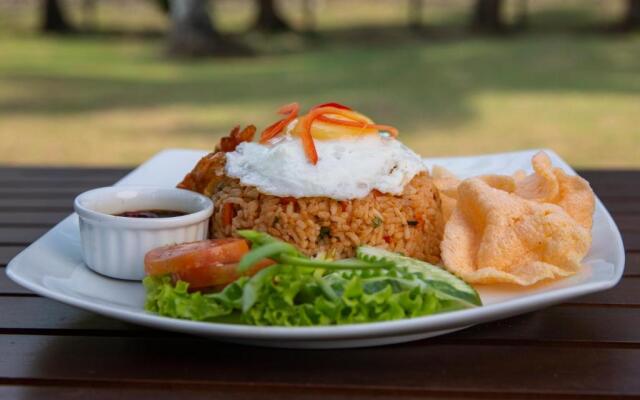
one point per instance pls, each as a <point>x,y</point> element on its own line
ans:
<point>61,173</point>
<point>98,390</point>
<point>68,193</point>
<point>8,252</point>
<point>21,235</point>
<point>616,176</point>
<point>433,365</point>
<point>625,293</point>
<point>9,288</point>
<point>564,323</point>
<point>26,218</point>
<point>53,204</point>
<point>622,207</point>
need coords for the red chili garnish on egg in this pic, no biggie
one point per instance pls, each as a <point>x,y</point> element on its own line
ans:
<point>336,105</point>
<point>290,111</point>
<point>322,112</point>
<point>307,121</point>
<point>387,128</point>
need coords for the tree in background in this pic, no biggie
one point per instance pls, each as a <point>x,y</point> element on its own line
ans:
<point>415,14</point>
<point>309,15</point>
<point>487,16</point>
<point>163,5</point>
<point>268,19</point>
<point>631,19</point>
<point>192,32</point>
<point>193,35</point>
<point>53,18</point>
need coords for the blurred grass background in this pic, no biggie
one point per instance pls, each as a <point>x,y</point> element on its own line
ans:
<point>113,98</point>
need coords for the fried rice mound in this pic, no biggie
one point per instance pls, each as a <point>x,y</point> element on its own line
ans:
<point>410,223</point>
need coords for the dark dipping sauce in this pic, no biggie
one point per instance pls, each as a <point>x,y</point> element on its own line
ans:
<point>151,214</point>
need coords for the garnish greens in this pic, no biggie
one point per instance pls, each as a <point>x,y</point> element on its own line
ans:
<point>378,285</point>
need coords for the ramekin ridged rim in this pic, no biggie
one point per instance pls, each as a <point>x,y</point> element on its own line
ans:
<point>97,217</point>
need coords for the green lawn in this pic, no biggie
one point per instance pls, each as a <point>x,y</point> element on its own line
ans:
<point>107,101</point>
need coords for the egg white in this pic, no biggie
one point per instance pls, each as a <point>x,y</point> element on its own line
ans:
<point>346,168</point>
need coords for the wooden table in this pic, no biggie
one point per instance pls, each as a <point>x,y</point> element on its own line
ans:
<point>588,347</point>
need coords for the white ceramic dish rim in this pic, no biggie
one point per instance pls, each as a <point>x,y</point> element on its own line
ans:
<point>205,206</point>
<point>456,319</point>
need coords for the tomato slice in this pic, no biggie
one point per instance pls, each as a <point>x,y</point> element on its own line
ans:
<point>216,276</point>
<point>202,264</point>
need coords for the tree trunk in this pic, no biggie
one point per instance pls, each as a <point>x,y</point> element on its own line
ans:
<point>268,19</point>
<point>89,14</point>
<point>487,16</point>
<point>522,17</point>
<point>163,5</point>
<point>53,18</point>
<point>193,35</point>
<point>415,14</point>
<point>631,20</point>
<point>309,15</point>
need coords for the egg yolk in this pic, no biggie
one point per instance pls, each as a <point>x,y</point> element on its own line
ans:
<point>323,130</point>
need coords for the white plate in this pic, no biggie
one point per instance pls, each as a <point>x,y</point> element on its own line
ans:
<point>52,266</point>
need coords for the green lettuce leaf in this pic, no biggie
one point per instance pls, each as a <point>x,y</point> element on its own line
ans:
<point>299,291</point>
<point>284,295</point>
<point>174,300</point>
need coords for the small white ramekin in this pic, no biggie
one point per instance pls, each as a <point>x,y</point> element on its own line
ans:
<point>115,246</point>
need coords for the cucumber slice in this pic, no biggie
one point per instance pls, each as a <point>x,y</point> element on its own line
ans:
<point>443,282</point>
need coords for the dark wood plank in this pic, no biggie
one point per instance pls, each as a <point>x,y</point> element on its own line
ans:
<point>632,264</point>
<point>82,183</point>
<point>34,204</point>
<point>21,235</point>
<point>39,313</point>
<point>96,390</point>
<point>625,293</point>
<point>430,365</point>
<point>628,224</point>
<point>26,218</point>
<point>560,324</point>
<point>621,206</point>
<point>59,180</point>
<point>613,183</point>
<point>631,241</point>
<point>8,252</point>
<point>56,173</point>
<point>38,192</point>
<point>557,324</point>
<point>8,287</point>
<point>613,191</point>
<point>618,176</point>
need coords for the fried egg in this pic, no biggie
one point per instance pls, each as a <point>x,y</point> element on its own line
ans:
<point>347,168</point>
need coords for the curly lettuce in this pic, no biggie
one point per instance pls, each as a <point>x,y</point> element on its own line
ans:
<point>299,291</point>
